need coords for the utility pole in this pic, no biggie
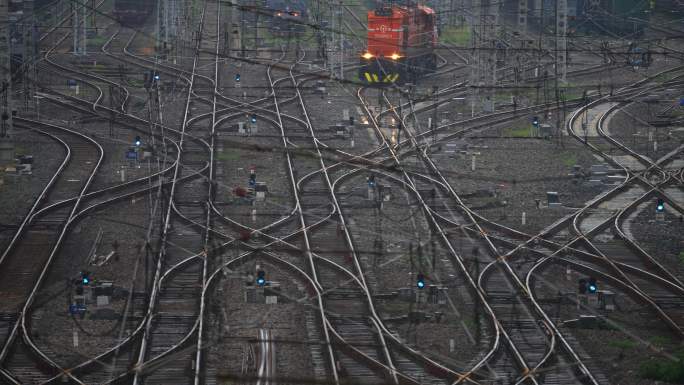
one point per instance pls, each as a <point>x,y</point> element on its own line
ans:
<point>160,26</point>
<point>475,22</point>
<point>79,20</point>
<point>84,27</point>
<point>537,71</point>
<point>331,54</point>
<point>341,35</point>
<point>74,26</point>
<point>242,30</point>
<point>27,30</point>
<point>6,124</point>
<point>256,30</point>
<point>522,17</point>
<point>433,125</point>
<point>561,39</point>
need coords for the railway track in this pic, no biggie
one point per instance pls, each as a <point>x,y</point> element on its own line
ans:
<point>357,345</point>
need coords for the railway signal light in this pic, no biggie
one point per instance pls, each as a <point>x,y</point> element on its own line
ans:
<point>592,288</point>
<point>85,278</point>
<point>420,281</point>
<point>252,179</point>
<point>371,180</point>
<point>237,77</point>
<point>138,141</point>
<point>261,278</point>
<point>535,121</point>
<point>660,205</point>
<point>253,119</point>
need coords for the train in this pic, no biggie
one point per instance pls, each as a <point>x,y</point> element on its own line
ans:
<point>286,16</point>
<point>624,18</point>
<point>133,13</point>
<point>400,44</point>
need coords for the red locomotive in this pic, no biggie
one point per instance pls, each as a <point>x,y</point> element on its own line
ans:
<point>401,42</point>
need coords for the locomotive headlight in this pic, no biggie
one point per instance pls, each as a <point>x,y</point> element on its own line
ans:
<point>279,14</point>
<point>367,56</point>
<point>395,56</point>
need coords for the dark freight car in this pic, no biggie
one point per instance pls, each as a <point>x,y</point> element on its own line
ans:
<point>286,15</point>
<point>133,13</point>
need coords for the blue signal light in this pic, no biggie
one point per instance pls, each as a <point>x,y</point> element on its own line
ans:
<point>420,281</point>
<point>592,287</point>
<point>253,119</point>
<point>85,278</point>
<point>261,278</point>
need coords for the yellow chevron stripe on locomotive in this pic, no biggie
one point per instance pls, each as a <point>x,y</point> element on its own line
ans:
<point>375,78</point>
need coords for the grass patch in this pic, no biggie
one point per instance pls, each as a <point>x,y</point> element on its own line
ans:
<point>135,83</point>
<point>517,132</point>
<point>271,39</point>
<point>660,341</point>
<point>227,156</point>
<point>623,344</point>
<point>97,40</point>
<point>396,308</point>
<point>571,91</point>
<point>459,36</point>
<point>569,159</point>
<point>681,256</point>
<point>664,369</point>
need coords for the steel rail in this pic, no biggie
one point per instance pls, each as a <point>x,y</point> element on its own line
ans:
<point>303,225</point>
<point>349,241</point>
<point>210,198</point>
<point>497,327</point>
<point>162,253</point>
<point>481,292</point>
<point>26,309</point>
